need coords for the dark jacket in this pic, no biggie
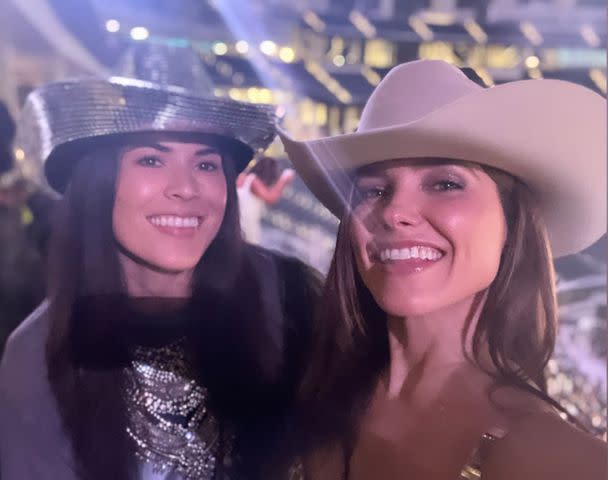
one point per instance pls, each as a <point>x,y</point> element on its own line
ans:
<point>33,444</point>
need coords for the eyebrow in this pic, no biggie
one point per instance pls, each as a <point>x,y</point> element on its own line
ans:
<point>162,148</point>
<point>377,170</point>
<point>206,151</point>
<point>158,146</point>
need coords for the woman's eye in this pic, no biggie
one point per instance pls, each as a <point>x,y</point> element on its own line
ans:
<point>374,192</point>
<point>369,194</point>
<point>447,185</point>
<point>149,162</point>
<point>207,166</point>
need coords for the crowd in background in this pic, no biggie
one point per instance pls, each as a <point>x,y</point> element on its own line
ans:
<point>25,212</point>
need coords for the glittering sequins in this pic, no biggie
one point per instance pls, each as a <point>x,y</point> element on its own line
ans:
<point>168,417</point>
<point>64,112</point>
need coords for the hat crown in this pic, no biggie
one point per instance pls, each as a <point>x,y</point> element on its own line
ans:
<point>412,90</point>
<point>160,90</point>
<point>166,66</point>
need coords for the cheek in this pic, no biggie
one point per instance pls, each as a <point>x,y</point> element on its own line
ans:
<point>380,287</point>
<point>477,233</point>
<point>136,188</point>
<point>130,197</point>
<point>215,194</point>
<point>133,193</point>
<point>360,237</point>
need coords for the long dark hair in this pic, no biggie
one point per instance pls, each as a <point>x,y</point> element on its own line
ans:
<point>238,345</point>
<point>517,324</point>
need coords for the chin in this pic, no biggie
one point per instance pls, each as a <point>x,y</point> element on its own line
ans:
<point>174,265</point>
<point>179,267</point>
<point>406,311</point>
<point>403,306</point>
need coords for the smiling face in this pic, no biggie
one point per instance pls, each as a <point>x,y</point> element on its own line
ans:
<point>170,203</point>
<point>426,234</point>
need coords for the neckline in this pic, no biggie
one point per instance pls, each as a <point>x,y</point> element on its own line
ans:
<point>158,329</point>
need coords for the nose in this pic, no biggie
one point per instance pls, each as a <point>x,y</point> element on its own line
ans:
<point>400,212</point>
<point>181,184</point>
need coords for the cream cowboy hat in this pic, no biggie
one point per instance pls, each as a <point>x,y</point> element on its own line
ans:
<point>549,133</point>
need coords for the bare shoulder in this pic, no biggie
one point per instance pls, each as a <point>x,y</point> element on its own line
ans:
<point>542,446</point>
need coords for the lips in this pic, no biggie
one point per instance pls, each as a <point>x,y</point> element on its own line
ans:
<point>405,257</point>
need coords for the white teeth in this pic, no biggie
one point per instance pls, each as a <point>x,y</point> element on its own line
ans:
<point>175,221</point>
<point>419,252</point>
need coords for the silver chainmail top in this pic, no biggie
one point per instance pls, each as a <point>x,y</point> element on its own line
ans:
<point>168,417</point>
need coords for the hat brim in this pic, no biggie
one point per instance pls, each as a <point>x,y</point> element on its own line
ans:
<point>549,133</point>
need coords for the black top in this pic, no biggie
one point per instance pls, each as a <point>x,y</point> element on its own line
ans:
<point>33,443</point>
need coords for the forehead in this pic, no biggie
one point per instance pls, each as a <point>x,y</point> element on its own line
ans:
<point>172,141</point>
<point>383,167</point>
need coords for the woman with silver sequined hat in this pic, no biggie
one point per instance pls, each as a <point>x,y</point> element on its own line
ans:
<point>167,346</point>
<point>453,201</point>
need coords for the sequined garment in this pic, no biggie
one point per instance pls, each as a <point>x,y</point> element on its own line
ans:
<point>471,471</point>
<point>168,417</point>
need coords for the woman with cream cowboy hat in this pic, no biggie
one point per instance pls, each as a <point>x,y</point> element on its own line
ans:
<point>140,365</point>
<point>439,313</point>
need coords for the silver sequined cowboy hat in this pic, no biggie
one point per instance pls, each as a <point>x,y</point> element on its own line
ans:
<point>549,133</point>
<point>60,120</point>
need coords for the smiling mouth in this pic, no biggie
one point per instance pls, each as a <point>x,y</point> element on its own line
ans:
<point>175,221</point>
<point>429,254</point>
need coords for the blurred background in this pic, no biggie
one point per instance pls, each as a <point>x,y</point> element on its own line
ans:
<point>317,61</point>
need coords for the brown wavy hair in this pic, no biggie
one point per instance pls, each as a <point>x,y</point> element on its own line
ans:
<point>517,324</point>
